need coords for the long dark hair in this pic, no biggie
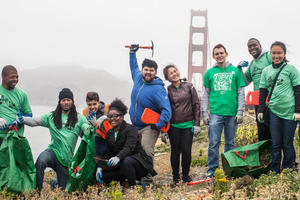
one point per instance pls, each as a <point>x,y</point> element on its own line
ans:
<point>72,117</point>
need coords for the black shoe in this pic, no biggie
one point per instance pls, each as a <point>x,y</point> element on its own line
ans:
<point>176,180</point>
<point>54,183</point>
<point>187,179</point>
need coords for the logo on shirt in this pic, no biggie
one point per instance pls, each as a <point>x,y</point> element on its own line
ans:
<point>222,81</point>
<point>5,100</point>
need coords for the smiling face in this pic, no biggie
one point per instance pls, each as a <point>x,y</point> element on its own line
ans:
<point>173,75</point>
<point>115,118</point>
<point>10,80</point>
<point>254,48</point>
<point>93,105</point>
<point>219,54</point>
<point>148,74</point>
<point>277,54</point>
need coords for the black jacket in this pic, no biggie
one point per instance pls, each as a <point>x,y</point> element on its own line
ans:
<point>126,144</point>
<point>185,103</point>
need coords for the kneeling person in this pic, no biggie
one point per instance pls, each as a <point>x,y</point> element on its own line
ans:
<point>126,157</point>
<point>65,125</point>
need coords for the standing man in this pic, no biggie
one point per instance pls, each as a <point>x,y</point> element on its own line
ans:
<point>12,101</point>
<point>224,93</point>
<point>148,92</point>
<point>261,59</point>
<point>65,125</point>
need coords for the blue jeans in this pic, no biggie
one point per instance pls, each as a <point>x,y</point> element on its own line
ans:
<point>216,125</point>
<point>48,159</point>
<point>282,133</point>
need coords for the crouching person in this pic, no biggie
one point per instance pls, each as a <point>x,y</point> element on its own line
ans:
<point>65,125</point>
<point>126,159</point>
<point>96,115</point>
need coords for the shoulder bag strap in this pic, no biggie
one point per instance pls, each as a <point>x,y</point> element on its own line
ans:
<point>274,82</point>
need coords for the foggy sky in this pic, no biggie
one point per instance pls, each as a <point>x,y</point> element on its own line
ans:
<point>92,33</point>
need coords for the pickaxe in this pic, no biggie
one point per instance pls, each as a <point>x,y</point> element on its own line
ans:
<point>145,47</point>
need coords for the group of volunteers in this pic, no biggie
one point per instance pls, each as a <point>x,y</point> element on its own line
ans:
<point>125,152</point>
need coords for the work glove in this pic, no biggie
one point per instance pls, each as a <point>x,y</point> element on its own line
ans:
<point>99,175</point>
<point>243,64</point>
<point>20,119</point>
<point>101,120</point>
<point>3,123</point>
<point>134,48</point>
<point>296,116</point>
<point>206,120</point>
<point>239,119</point>
<point>92,119</point>
<point>113,161</point>
<point>260,117</point>
<point>154,127</point>
<point>196,130</point>
<point>164,137</point>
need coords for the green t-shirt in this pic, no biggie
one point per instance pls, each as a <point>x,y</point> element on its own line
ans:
<point>282,102</point>
<point>63,141</point>
<point>188,124</point>
<point>223,83</point>
<point>253,73</point>
<point>11,102</point>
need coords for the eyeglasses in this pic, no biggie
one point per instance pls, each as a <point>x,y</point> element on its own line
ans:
<point>114,116</point>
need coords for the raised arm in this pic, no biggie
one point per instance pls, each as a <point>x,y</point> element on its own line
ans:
<point>134,68</point>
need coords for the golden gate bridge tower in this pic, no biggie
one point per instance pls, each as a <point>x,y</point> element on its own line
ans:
<point>198,49</point>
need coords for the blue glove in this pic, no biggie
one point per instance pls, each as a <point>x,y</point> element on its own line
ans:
<point>99,175</point>
<point>134,48</point>
<point>113,161</point>
<point>243,64</point>
<point>92,119</point>
<point>19,118</point>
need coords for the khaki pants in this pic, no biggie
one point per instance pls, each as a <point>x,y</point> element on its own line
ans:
<point>148,140</point>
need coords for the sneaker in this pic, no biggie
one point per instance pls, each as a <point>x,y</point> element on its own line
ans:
<point>209,175</point>
<point>54,184</point>
<point>148,179</point>
<point>187,179</point>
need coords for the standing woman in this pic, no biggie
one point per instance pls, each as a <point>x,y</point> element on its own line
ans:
<point>185,121</point>
<point>126,157</point>
<point>284,106</point>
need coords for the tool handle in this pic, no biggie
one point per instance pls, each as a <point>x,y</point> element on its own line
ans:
<point>141,47</point>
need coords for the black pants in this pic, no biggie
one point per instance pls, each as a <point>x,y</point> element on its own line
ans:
<point>262,130</point>
<point>129,168</point>
<point>100,146</point>
<point>181,143</point>
<point>1,140</point>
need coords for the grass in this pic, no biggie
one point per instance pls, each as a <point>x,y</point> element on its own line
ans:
<point>271,186</point>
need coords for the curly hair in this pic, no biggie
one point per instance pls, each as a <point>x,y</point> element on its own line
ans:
<point>117,104</point>
<point>165,70</point>
<point>72,117</point>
